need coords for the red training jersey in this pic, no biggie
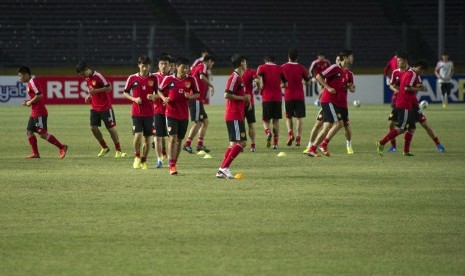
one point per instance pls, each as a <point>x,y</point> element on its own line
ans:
<point>158,105</point>
<point>38,108</point>
<point>197,71</point>
<point>295,73</point>
<point>272,75</point>
<point>174,89</point>
<point>100,101</point>
<point>318,66</point>
<point>248,78</point>
<point>395,80</point>
<point>336,78</point>
<point>235,110</point>
<point>341,96</point>
<point>406,98</point>
<point>141,87</point>
<point>390,66</point>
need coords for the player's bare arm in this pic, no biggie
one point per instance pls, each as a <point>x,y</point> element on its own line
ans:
<point>36,98</point>
<point>100,90</point>
<point>394,88</point>
<point>162,97</point>
<point>323,83</point>
<point>191,96</point>
<point>132,99</point>
<point>205,79</point>
<point>153,97</point>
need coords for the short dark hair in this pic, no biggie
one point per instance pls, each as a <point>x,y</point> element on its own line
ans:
<point>165,58</point>
<point>23,69</point>
<point>144,60</point>
<point>208,57</point>
<point>345,53</point>
<point>445,53</point>
<point>269,58</point>
<point>81,66</point>
<point>321,53</point>
<point>403,55</point>
<point>420,63</point>
<point>293,54</point>
<point>182,61</point>
<point>236,60</point>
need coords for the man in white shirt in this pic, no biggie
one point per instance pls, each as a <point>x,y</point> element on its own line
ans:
<point>444,71</point>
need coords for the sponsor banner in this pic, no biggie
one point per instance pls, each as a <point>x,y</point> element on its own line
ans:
<point>433,93</point>
<point>58,90</point>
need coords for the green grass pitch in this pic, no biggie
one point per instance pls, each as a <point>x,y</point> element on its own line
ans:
<point>351,215</point>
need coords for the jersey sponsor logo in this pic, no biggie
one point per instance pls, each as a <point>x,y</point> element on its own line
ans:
<point>188,85</point>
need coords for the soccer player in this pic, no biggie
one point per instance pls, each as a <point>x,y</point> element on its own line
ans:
<point>142,85</point>
<point>294,97</point>
<point>316,67</point>
<point>335,79</point>
<point>159,109</point>
<point>444,71</point>
<point>391,65</point>
<point>249,78</point>
<point>196,107</point>
<point>271,79</point>
<point>236,99</point>
<point>176,91</point>
<point>101,108</point>
<point>199,60</point>
<point>38,118</point>
<point>410,83</point>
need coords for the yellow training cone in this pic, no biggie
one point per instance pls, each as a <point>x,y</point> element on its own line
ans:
<point>239,176</point>
<point>202,152</point>
<point>207,156</point>
<point>282,154</point>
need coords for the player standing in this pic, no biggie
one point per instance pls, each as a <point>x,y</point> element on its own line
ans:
<point>196,107</point>
<point>294,97</point>
<point>38,118</point>
<point>271,79</point>
<point>410,83</point>
<point>159,119</point>
<point>101,108</point>
<point>176,91</point>
<point>236,100</point>
<point>249,77</point>
<point>142,85</point>
<point>444,71</point>
<point>316,67</point>
<point>391,65</point>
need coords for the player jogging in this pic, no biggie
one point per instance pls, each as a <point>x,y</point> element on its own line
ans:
<point>316,67</point>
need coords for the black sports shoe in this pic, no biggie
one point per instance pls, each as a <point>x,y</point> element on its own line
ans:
<point>203,148</point>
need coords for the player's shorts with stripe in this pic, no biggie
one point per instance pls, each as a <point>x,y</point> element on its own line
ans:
<point>177,127</point>
<point>272,110</point>
<point>107,116</point>
<point>250,114</point>
<point>197,111</point>
<point>344,111</point>
<point>418,114</point>
<point>236,131</point>
<point>319,116</point>
<point>37,124</point>
<point>331,113</point>
<point>295,108</point>
<point>159,125</point>
<point>405,119</point>
<point>142,124</point>
<point>393,115</point>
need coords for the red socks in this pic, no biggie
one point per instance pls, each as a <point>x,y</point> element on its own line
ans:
<point>233,153</point>
<point>408,139</point>
<point>391,135</point>
<point>200,142</point>
<point>54,141</point>
<point>33,143</point>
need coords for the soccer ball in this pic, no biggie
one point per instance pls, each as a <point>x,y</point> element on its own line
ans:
<point>423,104</point>
<point>357,103</point>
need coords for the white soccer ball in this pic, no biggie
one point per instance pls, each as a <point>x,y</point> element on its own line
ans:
<point>423,104</point>
<point>357,103</point>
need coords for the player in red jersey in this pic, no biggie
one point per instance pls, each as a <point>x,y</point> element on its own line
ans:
<point>236,99</point>
<point>294,97</point>
<point>101,108</point>
<point>249,78</point>
<point>196,107</point>
<point>142,85</point>
<point>335,80</point>
<point>410,83</point>
<point>176,90</point>
<point>199,60</point>
<point>159,119</point>
<point>391,65</point>
<point>38,118</point>
<point>316,67</point>
<point>271,78</point>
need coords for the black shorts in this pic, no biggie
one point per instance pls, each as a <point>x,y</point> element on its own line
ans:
<point>405,119</point>
<point>177,127</point>
<point>418,115</point>
<point>236,131</point>
<point>331,113</point>
<point>159,125</point>
<point>344,111</point>
<point>295,108</point>
<point>319,117</point>
<point>197,111</point>
<point>393,115</point>
<point>272,110</point>
<point>37,124</point>
<point>250,114</point>
<point>107,116</point>
<point>142,124</point>
<point>446,88</point>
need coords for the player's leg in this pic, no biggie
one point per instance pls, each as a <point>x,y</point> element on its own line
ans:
<point>147,132</point>
<point>31,128</point>
<point>41,129</point>
<point>289,107</point>
<point>429,130</point>
<point>237,138</point>
<point>194,110</point>
<point>277,114</point>
<point>401,123</point>
<point>392,124</point>
<point>252,136</point>
<point>203,129</point>
<point>95,123</point>
<point>137,129</point>
<point>319,138</point>
<point>444,95</point>
<point>348,134</point>
<point>108,117</point>
<point>250,117</point>
<point>160,133</point>
<point>300,114</point>
<point>266,119</point>
<point>336,126</point>
<point>408,136</point>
